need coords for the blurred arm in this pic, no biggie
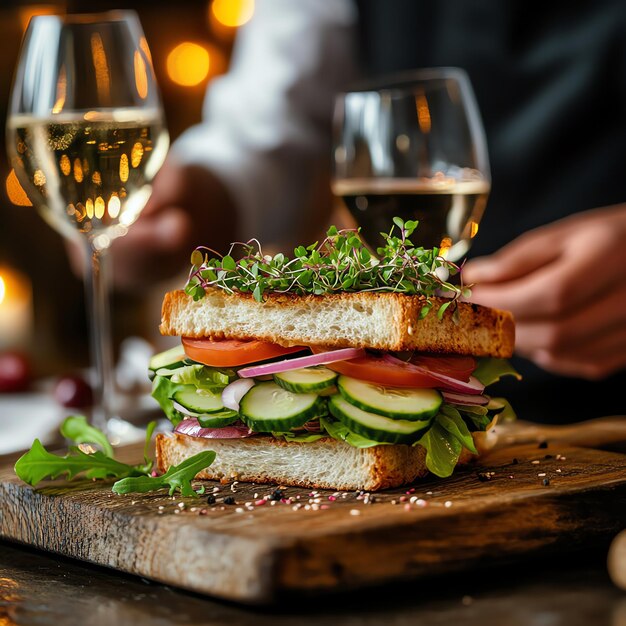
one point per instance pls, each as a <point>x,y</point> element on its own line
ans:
<point>249,168</point>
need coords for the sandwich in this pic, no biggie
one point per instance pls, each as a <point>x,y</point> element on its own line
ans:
<point>334,369</point>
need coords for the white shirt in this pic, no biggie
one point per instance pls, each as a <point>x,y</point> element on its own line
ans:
<point>267,122</point>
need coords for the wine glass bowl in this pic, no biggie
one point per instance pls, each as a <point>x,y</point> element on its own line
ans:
<point>85,131</point>
<point>413,147</point>
<point>86,135</point>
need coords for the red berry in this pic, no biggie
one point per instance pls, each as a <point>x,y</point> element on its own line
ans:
<point>73,392</point>
<point>14,372</point>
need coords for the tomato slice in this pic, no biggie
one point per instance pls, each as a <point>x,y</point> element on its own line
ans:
<point>396,373</point>
<point>375,369</point>
<point>233,352</point>
<point>456,366</point>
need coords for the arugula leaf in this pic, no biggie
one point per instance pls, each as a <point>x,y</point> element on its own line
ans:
<point>442,450</point>
<point>38,464</point>
<point>177,477</point>
<point>341,433</point>
<point>76,429</point>
<point>146,447</point>
<point>489,371</point>
<point>450,419</point>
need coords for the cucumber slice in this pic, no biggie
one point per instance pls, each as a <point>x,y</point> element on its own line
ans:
<point>395,402</point>
<point>270,408</point>
<point>220,419</point>
<point>306,379</point>
<point>376,427</point>
<point>169,359</point>
<point>199,400</point>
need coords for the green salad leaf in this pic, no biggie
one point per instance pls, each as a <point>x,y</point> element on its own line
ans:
<point>342,433</point>
<point>38,464</point>
<point>450,419</point>
<point>300,437</point>
<point>76,429</point>
<point>204,377</point>
<point>442,450</point>
<point>177,477</point>
<point>489,370</point>
<point>163,389</point>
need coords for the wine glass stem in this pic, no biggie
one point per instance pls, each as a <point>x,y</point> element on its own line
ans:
<point>98,307</point>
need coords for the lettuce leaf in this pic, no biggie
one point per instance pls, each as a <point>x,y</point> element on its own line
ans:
<point>442,450</point>
<point>450,419</point>
<point>203,377</point>
<point>163,390</point>
<point>489,371</point>
<point>300,437</point>
<point>341,433</point>
<point>503,409</point>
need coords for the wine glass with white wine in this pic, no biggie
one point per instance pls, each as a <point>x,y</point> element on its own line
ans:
<point>86,135</point>
<point>413,147</point>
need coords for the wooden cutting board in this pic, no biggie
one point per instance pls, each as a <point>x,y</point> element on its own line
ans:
<point>500,509</point>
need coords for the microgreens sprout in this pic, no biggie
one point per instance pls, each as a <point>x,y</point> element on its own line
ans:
<point>340,263</point>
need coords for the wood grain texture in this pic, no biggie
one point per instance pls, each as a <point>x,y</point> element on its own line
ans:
<point>255,554</point>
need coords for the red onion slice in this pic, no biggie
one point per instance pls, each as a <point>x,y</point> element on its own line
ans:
<point>191,427</point>
<point>447,383</point>
<point>232,394</point>
<point>465,398</point>
<point>344,354</point>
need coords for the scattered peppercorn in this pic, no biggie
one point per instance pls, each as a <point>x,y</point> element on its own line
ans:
<point>211,499</point>
<point>515,461</point>
<point>545,482</point>
<point>229,500</point>
<point>543,445</point>
<point>548,456</point>
<point>277,495</point>
<point>483,477</point>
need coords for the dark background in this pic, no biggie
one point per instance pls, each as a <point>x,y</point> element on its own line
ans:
<point>27,243</point>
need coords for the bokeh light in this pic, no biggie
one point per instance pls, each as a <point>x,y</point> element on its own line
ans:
<point>15,191</point>
<point>232,13</point>
<point>188,64</point>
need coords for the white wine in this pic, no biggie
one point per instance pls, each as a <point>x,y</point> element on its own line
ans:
<point>449,211</point>
<point>89,173</point>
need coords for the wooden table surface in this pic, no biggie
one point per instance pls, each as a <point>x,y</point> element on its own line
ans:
<point>43,589</point>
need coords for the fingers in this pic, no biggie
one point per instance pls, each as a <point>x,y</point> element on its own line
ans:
<point>523,256</point>
<point>595,361</point>
<point>590,262</point>
<point>597,318</point>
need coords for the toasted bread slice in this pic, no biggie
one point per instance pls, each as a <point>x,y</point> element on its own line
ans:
<point>381,321</point>
<point>323,464</point>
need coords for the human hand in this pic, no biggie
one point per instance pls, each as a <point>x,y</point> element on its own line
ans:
<point>565,283</point>
<point>188,207</point>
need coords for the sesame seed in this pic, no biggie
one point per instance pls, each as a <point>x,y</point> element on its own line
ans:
<point>182,505</point>
<point>355,512</point>
<point>535,462</point>
<point>239,510</point>
<point>447,504</point>
<point>541,474</point>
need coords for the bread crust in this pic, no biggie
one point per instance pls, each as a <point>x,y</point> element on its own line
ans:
<point>323,464</point>
<point>382,321</point>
